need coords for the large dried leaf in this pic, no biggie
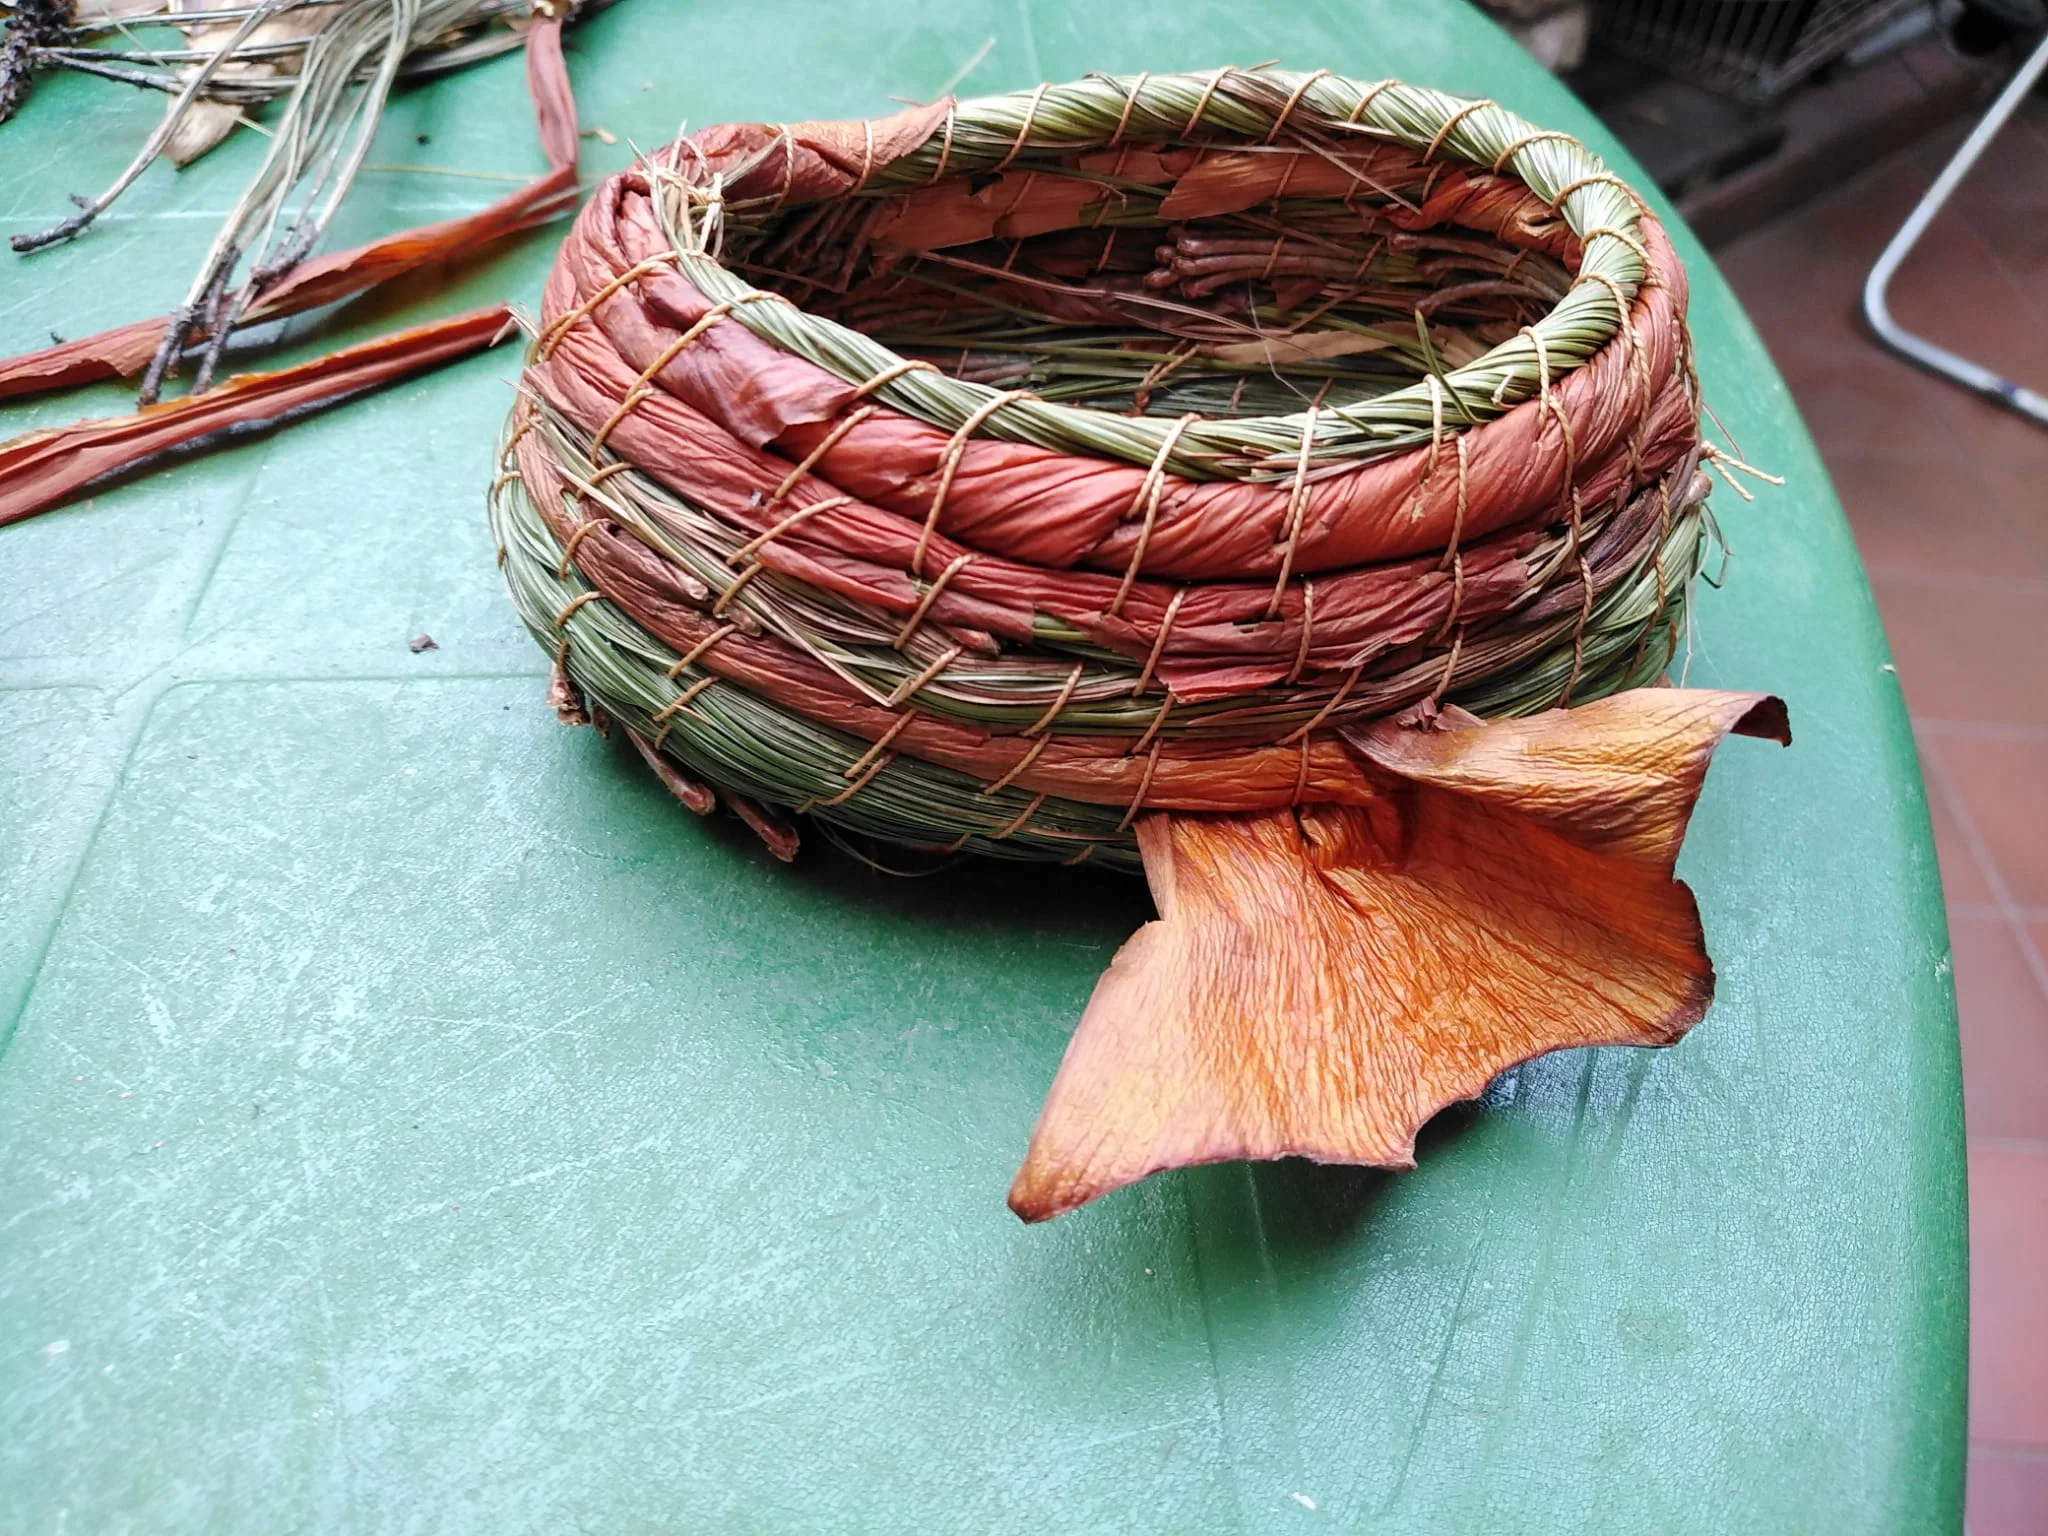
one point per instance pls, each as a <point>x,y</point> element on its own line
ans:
<point>1321,981</point>
<point>1618,776</point>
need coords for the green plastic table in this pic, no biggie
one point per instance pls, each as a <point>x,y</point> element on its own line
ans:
<point>411,1119</point>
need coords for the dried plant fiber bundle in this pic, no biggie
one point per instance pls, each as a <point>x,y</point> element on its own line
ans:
<point>330,65</point>
<point>1290,484</point>
<point>46,468</point>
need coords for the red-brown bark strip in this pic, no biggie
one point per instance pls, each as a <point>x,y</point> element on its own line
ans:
<point>43,469</point>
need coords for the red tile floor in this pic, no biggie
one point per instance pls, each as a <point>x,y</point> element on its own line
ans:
<point>1948,496</point>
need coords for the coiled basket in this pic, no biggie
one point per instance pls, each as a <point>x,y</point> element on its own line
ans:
<point>980,477</point>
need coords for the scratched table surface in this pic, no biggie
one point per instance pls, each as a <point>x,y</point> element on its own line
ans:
<point>411,1119</point>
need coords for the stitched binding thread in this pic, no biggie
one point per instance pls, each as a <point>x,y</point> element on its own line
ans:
<point>1454,556</point>
<point>795,519</point>
<point>1144,786</point>
<point>910,685</point>
<point>689,657</point>
<point>738,585</point>
<point>1130,103</point>
<point>1152,730</point>
<point>1024,133</point>
<point>931,595</point>
<point>665,717</point>
<point>1287,111</point>
<point>1372,94</point>
<point>576,537</point>
<point>1450,667</point>
<point>1450,123</point>
<point>552,336</point>
<point>1301,732</point>
<point>1044,722</point>
<point>949,465</point>
<point>1202,106</point>
<point>1023,766</point>
<point>1308,628</point>
<point>1159,641</point>
<point>892,373</point>
<point>826,444</point>
<point>1575,548</point>
<point>1608,177</point>
<point>945,147</point>
<point>1019,819</point>
<point>1149,491</point>
<point>1525,141</point>
<point>1297,504</point>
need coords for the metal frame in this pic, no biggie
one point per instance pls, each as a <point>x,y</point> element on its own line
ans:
<point>1756,50</point>
<point>1917,348</point>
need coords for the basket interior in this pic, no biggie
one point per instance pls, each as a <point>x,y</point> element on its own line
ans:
<point>1255,312</point>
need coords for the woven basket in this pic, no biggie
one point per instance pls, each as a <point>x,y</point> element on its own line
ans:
<point>977,478</point>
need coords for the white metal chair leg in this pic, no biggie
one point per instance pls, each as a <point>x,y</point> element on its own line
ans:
<point>1918,348</point>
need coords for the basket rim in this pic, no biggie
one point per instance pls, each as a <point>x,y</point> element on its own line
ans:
<point>1246,106</point>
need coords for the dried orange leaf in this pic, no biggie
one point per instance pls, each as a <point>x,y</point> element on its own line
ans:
<point>1619,775</point>
<point>1321,981</point>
